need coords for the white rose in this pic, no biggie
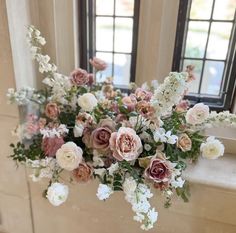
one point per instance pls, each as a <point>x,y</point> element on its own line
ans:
<point>57,193</point>
<point>87,102</point>
<point>212,149</point>
<point>104,192</point>
<point>197,114</point>
<point>69,156</point>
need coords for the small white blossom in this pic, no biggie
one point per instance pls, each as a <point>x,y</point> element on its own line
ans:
<point>104,192</point>
<point>113,168</point>
<point>78,130</point>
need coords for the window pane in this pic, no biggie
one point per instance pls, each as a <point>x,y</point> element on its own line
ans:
<point>107,57</point>
<point>196,39</point>
<point>104,33</point>
<point>123,35</point>
<point>224,10</point>
<point>212,77</point>
<point>122,69</point>
<point>219,40</point>
<point>194,85</point>
<point>124,7</point>
<point>104,7</point>
<point>201,9</point>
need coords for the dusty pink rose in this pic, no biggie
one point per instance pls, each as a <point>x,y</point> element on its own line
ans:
<point>182,106</point>
<point>120,118</point>
<point>159,170</point>
<point>142,94</point>
<point>83,173</point>
<point>125,144</point>
<point>145,108</point>
<point>90,79</point>
<point>51,145</point>
<point>52,111</point>
<point>79,77</point>
<point>197,114</point>
<point>101,135</point>
<point>189,70</point>
<point>98,64</point>
<point>129,101</point>
<point>184,142</point>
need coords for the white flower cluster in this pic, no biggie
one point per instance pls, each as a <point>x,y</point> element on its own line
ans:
<point>104,192</point>
<point>176,179</point>
<point>54,132</point>
<point>137,195</point>
<point>161,135</point>
<point>42,168</point>
<point>21,97</point>
<point>169,93</point>
<point>221,119</point>
<point>36,41</point>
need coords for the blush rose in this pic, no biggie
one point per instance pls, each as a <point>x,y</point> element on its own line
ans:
<point>79,77</point>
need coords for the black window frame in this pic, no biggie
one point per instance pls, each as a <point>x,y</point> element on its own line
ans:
<point>86,13</point>
<point>227,96</point>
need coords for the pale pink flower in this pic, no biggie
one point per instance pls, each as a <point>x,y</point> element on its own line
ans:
<point>98,64</point>
<point>142,94</point>
<point>52,110</point>
<point>79,77</point>
<point>129,101</point>
<point>125,144</point>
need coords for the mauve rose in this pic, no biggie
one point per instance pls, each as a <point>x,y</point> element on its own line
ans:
<point>91,79</point>
<point>182,106</point>
<point>142,94</point>
<point>158,170</point>
<point>52,111</point>
<point>145,108</point>
<point>120,117</point>
<point>125,144</point>
<point>51,145</point>
<point>184,142</point>
<point>79,77</point>
<point>83,173</point>
<point>129,101</point>
<point>98,64</point>
<point>101,135</point>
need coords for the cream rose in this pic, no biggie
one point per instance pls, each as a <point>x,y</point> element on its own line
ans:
<point>87,102</point>
<point>212,149</point>
<point>125,144</point>
<point>184,142</point>
<point>197,114</point>
<point>69,156</point>
<point>57,193</point>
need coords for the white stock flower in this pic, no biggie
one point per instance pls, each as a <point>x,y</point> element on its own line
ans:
<point>161,135</point>
<point>87,102</point>
<point>197,114</point>
<point>212,148</point>
<point>103,192</point>
<point>57,193</point>
<point>69,156</point>
<point>99,171</point>
<point>129,186</point>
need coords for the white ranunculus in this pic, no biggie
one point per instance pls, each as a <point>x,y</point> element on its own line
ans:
<point>129,186</point>
<point>78,130</point>
<point>212,149</point>
<point>104,192</point>
<point>57,193</point>
<point>197,114</point>
<point>87,102</point>
<point>69,156</point>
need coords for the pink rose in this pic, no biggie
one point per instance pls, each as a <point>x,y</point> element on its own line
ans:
<point>120,117</point>
<point>98,64</point>
<point>52,111</point>
<point>125,144</point>
<point>129,101</point>
<point>184,142</point>
<point>145,108</point>
<point>182,106</point>
<point>142,94</point>
<point>197,114</point>
<point>101,135</point>
<point>83,173</point>
<point>51,145</point>
<point>91,79</point>
<point>159,170</point>
<point>79,77</point>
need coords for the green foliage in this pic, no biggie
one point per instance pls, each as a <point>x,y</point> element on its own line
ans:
<point>184,192</point>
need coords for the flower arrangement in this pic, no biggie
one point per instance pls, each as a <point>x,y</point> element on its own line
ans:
<point>129,142</point>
